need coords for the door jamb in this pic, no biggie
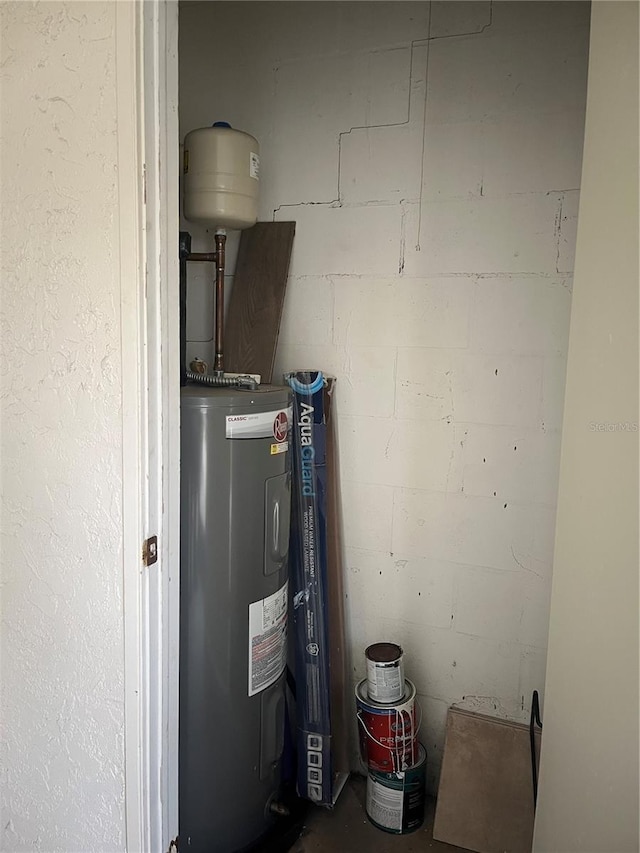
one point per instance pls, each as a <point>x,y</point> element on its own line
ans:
<point>147,113</point>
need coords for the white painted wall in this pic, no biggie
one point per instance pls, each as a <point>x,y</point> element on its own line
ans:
<point>588,799</point>
<point>62,432</point>
<point>430,155</point>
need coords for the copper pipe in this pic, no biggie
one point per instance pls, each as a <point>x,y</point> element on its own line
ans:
<point>202,256</point>
<point>218,366</point>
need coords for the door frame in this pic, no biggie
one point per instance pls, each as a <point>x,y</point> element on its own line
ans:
<point>148,164</point>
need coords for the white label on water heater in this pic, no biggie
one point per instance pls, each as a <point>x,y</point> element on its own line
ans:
<point>267,640</point>
<point>254,166</point>
<point>275,424</point>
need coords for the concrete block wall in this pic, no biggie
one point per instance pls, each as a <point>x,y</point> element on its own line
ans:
<point>430,155</point>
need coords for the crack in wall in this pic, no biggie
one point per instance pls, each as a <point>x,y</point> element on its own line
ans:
<point>501,274</point>
<point>403,216</point>
<point>558,231</point>
<point>522,566</point>
<point>423,42</point>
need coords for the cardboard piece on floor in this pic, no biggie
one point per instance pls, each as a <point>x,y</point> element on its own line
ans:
<point>485,796</point>
<point>257,296</point>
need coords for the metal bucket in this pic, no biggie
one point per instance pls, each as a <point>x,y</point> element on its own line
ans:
<point>395,801</point>
<point>385,673</point>
<point>388,733</point>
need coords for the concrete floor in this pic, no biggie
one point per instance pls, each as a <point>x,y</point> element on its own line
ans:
<point>345,829</point>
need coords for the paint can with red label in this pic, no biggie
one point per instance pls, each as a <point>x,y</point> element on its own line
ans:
<point>395,801</point>
<point>388,733</point>
<point>385,673</point>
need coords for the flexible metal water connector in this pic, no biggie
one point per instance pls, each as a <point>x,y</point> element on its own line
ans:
<point>247,382</point>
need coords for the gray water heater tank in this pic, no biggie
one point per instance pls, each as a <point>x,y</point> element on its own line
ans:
<point>235,511</point>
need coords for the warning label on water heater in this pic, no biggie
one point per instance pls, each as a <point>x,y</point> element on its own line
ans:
<point>267,640</point>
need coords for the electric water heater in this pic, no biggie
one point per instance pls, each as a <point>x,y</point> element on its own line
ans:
<point>235,494</point>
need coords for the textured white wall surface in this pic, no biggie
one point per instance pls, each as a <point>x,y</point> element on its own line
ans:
<point>430,155</point>
<point>62,783</point>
